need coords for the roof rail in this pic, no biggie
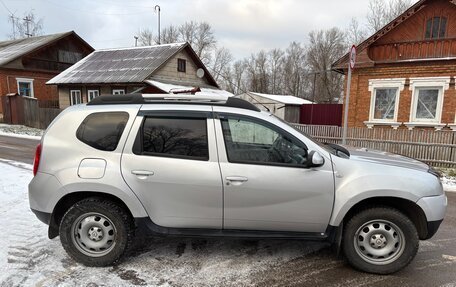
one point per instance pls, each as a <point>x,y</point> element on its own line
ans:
<point>172,99</point>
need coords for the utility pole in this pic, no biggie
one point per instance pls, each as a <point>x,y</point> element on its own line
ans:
<point>157,8</point>
<point>136,41</point>
<point>27,20</point>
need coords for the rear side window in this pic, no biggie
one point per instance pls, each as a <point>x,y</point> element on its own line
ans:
<point>174,137</point>
<point>102,130</point>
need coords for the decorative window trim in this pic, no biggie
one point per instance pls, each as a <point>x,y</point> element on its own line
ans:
<point>25,80</point>
<point>374,84</point>
<point>441,83</point>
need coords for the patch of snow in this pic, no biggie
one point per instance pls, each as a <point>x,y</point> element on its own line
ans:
<point>284,99</point>
<point>21,131</point>
<point>170,88</point>
<point>449,183</point>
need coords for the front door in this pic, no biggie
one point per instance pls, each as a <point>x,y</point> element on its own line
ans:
<point>267,185</point>
<point>170,162</point>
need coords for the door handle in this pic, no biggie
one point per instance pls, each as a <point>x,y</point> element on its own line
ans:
<point>142,173</point>
<point>236,180</point>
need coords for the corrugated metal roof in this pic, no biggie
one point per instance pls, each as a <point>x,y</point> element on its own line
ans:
<point>127,65</point>
<point>11,50</point>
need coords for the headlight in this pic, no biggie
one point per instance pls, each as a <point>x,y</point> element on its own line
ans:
<point>433,171</point>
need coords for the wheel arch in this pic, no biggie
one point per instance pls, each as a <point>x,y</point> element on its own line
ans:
<point>70,199</point>
<point>408,207</point>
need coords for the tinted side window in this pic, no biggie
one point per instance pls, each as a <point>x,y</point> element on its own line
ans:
<point>249,141</point>
<point>175,137</point>
<point>102,130</point>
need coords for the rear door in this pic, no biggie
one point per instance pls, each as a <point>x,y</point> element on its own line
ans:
<point>170,162</point>
<point>267,183</point>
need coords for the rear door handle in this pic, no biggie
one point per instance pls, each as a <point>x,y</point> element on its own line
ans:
<point>142,173</point>
<point>236,180</point>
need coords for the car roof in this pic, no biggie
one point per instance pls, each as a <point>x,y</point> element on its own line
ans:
<point>180,99</point>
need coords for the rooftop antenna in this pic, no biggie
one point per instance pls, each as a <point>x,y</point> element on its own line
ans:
<point>157,8</point>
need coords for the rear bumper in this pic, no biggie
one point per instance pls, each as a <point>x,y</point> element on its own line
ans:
<point>42,216</point>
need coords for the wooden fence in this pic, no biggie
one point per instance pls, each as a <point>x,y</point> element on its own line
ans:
<point>437,148</point>
<point>19,110</point>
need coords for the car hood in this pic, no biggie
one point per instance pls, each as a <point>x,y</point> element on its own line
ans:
<point>385,158</point>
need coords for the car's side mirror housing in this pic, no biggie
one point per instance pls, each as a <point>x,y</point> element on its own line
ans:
<point>315,159</point>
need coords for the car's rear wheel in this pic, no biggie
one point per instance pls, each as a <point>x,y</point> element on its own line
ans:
<point>380,240</point>
<point>96,232</point>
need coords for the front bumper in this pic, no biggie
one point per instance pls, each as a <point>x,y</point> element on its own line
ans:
<point>434,208</point>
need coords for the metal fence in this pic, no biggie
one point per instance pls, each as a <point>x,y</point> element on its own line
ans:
<point>437,148</point>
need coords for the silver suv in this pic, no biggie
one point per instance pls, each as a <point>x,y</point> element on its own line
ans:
<point>191,165</point>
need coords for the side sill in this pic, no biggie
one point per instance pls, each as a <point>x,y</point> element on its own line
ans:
<point>145,226</point>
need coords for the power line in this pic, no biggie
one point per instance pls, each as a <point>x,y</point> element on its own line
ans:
<point>4,5</point>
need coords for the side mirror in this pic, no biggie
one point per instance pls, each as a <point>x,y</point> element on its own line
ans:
<point>315,159</point>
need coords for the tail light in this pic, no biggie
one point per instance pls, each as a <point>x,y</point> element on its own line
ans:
<point>36,161</point>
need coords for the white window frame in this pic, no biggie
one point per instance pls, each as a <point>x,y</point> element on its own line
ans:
<point>89,98</point>
<point>118,91</point>
<point>440,83</point>
<point>71,97</point>
<point>374,84</point>
<point>25,80</point>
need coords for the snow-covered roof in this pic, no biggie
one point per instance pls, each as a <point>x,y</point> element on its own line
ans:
<point>284,99</point>
<point>172,88</point>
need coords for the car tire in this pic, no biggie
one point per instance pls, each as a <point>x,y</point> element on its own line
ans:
<point>380,240</point>
<point>96,232</point>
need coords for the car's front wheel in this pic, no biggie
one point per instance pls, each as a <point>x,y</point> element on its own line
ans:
<point>380,240</point>
<point>96,232</point>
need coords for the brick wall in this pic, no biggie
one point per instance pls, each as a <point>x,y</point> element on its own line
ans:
<point>41,91</point>
<point>360,96</point>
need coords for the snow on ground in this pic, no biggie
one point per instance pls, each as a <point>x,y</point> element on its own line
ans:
<point>20,131</point>
<point>29,258</point>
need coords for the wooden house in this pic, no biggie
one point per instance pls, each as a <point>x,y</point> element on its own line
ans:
<point>152,69</point>
<point>27,64</point>
<point>404,74</point>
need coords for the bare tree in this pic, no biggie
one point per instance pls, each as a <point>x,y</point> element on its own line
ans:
<point>354,33</point>
<point>234,78</point>
<point>294,68</point>
<point>146,37</point>
<point>221,60</point>
<point>325,47</point>
<point>276,63</point>
<point>201,38</point>
<point>381,13</point>
<point>169,34</point>
<point>30,25</point>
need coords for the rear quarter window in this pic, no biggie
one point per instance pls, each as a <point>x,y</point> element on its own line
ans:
<point>102,130</point>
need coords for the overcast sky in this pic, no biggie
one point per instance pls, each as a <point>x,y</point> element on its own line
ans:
<point>243,26</point>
